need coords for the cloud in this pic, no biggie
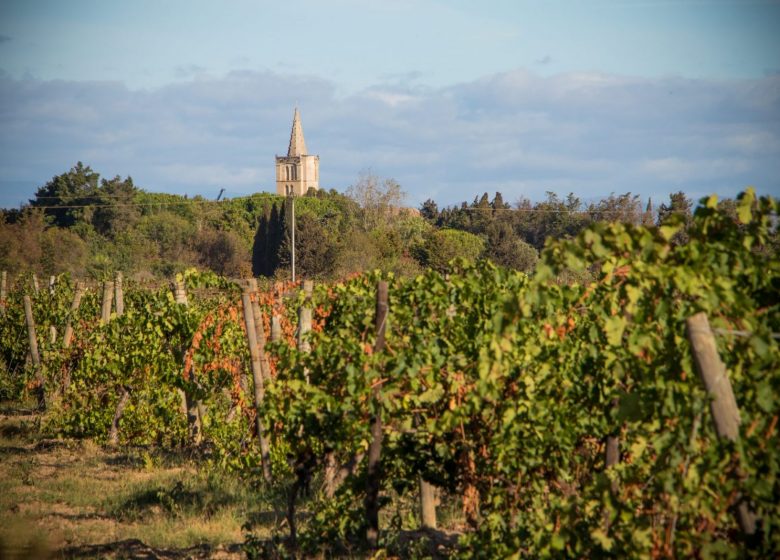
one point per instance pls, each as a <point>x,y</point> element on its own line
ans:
<point>546,59</point>
<point>516,132</point>
<point>4,39</point>
<point>389,97</point>
<point>188,71</point>
<point>691,170</point>
<point>403,78</point>
<point>210,174</point>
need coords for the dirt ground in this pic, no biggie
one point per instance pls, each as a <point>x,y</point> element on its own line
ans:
<point>75,499</point>
<point>68,498</point>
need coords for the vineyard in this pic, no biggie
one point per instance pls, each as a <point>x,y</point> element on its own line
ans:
<point>569,413</point>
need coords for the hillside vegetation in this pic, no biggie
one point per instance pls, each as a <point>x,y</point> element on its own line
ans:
<point>90,227</point>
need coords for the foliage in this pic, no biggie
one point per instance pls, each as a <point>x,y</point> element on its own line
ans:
<point>504,390</point>
<point>679,205</point>
<point>107,224</point>
<point>59,196</point>
<point>444,245</point>
<point>90,227</point>
<point>623,208</point>
<point>506,249</point>
<point>498,387</point>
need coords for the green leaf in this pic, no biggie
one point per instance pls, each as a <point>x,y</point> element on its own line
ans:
<point>744,208</point>
<point>601,537</point>
<point>668,231</point>
<point>613,328</point>
<point>558,542</point>
<point>630,408</point>
<point>765,397</point>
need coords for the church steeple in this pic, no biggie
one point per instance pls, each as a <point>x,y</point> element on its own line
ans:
<point>297,172</point>
<point>297,143</point>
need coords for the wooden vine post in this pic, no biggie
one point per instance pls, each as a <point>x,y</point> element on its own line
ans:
<point>189,404</point>
<point>124,398</point>
<point>305,460</point>
<point>723,404</point>
<point>78,293</point>
<point>613,453</point>
<point>119,297</point>
<point>3,290</point>
<point>34,355</point>
<point>52,328</point>
<point>612,458</point>
<point>304,317</point>
<point>427,496</point>
<point>304,321</point>
<point>67,336</point>
<point>180,297</point>
<point>114,290</point>
<point>276,328</point>
<point>373,476</point>
<point>108,296</point>
<point>257,378</point>
<point>36,287</point>
<point>260,336</point>
<point>427,504</point>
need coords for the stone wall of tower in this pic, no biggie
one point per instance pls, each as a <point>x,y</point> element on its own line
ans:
<point>297,174</point>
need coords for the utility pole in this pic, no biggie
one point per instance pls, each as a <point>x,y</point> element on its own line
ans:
<point>292,228</point>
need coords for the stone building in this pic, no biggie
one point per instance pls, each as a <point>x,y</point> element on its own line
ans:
<point>297,172</point>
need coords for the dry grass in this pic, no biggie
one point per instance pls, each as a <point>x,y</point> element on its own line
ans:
<point>75,499</point>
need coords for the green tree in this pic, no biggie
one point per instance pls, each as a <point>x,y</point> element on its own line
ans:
<point>498,202</point>
<point>430,211</point>
<point>359,252</point>
<point>551,218</point>
<point>116,210</point>
<point>624,208</point>
<point>505,248</point>
<point>223,252</point>
<point>443,245</point>
<point>58,197</point>
<point>679,206</point>
<point>268,241</point>
<point>316,252</point>
<point>171,236</point>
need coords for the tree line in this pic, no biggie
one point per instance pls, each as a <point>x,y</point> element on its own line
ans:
<point>90,226</point>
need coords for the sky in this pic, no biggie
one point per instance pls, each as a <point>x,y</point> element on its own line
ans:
<point>451,98</point>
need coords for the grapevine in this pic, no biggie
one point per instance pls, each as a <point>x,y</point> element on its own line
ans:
<point>499,388</point>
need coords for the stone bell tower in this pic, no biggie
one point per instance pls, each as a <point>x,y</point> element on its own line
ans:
<point>297,172</point>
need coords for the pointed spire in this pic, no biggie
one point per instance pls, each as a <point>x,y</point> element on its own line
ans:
<point>297,143</point>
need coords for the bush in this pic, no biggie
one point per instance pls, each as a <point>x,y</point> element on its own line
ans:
<point>443,245</point>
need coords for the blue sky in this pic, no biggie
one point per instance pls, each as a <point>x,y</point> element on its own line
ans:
<point>451,98</point>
